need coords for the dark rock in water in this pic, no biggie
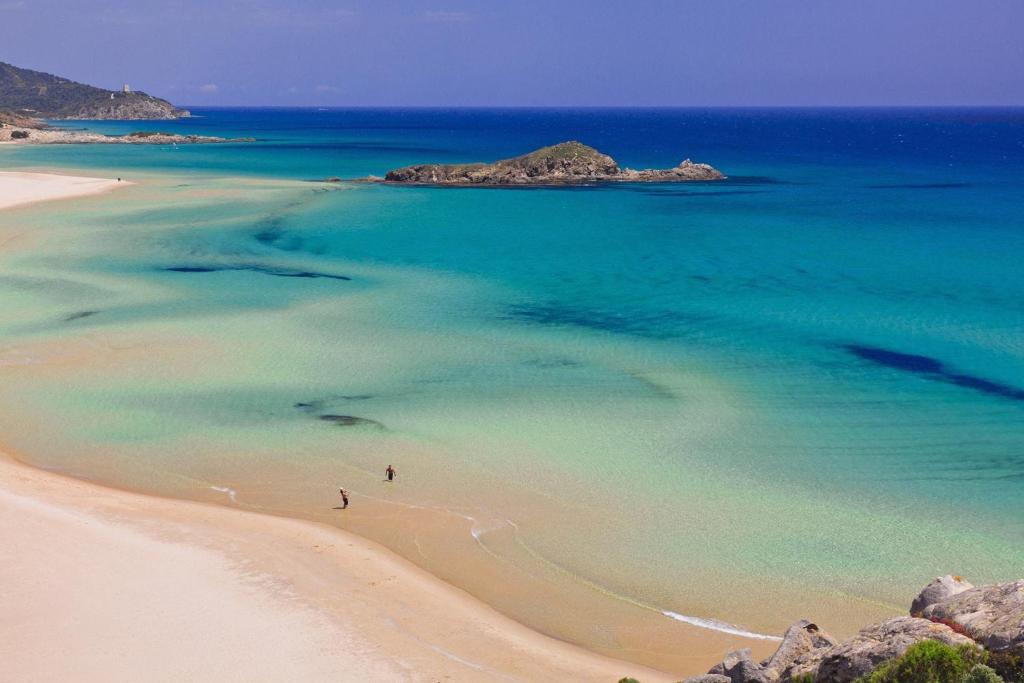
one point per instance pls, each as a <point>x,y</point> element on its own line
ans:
<point>320,404</point>
<point>332,179</point>
<point>992,615</point>
<point>263,270</point>
<point>939,589</point>
<point>564,163</point>
<point>932,368</point>
<point>192,269</point>
<point>79,315</point>
<point>351,421</point>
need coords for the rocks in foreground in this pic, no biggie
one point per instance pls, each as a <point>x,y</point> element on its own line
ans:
<point>561,164</point>
<point>988,620</point>
<point>939,589</point>
<point>991,615</point>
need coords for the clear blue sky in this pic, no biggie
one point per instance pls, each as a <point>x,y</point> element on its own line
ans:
<point>530,52</point>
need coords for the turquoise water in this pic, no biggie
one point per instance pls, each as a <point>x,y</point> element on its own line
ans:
<point>704,398</point>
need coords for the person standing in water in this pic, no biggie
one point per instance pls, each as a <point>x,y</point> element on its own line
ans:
<point>390,472</point>
<point>344,498</point>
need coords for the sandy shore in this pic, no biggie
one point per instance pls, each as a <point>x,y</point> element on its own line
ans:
<point>18,188</point>
<point>99,584</point>
<point>105,585</point>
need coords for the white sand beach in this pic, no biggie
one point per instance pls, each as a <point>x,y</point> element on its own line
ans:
<point>18,188</point>
<point>105,585</point>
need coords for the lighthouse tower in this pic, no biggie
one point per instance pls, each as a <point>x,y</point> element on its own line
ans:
<point>126,89</point>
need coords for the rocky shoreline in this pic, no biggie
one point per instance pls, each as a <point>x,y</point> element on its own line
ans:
<point>986,621</point>
<point>54,136</point>
<point>567,163</point>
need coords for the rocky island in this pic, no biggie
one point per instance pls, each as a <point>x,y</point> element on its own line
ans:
<point>563,164</point>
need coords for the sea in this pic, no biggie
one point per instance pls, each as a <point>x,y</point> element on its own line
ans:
<point>614,410</point>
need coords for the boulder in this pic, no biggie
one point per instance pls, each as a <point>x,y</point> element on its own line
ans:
<point>739,667</point>
<point>801,640</point>
<point>708,678</point>
<point>874,645</point>
<point>992,615</point>
<point>939,589</point>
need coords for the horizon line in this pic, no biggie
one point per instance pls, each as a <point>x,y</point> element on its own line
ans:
<point>597,106</point>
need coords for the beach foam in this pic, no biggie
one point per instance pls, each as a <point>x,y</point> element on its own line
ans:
<point>720,626</point>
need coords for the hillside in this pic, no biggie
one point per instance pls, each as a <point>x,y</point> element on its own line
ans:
<point>42,95</point>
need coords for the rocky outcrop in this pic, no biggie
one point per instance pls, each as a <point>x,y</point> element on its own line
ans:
<point>948,610</point>
<point>802,641</point>
<point>941,588</point>
<point>561,164</point>
<point>992,615</point>
<point>16,120</point>
<point>53,136</point>
<point>686,170</point>
<point>862,654</point>
<point>127,107</point>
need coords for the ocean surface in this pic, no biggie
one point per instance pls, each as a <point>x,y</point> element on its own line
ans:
<point>796,392</point>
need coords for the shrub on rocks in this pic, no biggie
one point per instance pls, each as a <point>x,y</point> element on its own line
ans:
<point>928,661</point>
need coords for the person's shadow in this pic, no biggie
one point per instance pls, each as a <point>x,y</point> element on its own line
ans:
<point>339,508</point>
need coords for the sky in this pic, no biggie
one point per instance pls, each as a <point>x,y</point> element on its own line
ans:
<point>530,52</point>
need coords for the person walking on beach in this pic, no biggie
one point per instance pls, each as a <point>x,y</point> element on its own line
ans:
<point>344,498</point>
<point>390,472</point>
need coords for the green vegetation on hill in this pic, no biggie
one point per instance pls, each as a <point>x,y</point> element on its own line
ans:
<point>38,94</point>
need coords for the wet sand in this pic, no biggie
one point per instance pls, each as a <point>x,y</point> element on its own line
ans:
<point>132,587</point>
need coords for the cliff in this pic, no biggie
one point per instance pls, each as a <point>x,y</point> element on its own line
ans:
<point>564,163</point>
<point>36,94</point>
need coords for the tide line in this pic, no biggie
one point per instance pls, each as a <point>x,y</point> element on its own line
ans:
<point>717,626</point>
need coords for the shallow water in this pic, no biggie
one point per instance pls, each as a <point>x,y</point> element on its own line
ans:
<point>729,401</point>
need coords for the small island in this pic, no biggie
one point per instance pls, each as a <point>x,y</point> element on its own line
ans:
<point>567,163</point>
